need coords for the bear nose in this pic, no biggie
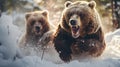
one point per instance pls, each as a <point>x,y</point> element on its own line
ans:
<point>37,28</point>
<point>73,22</point>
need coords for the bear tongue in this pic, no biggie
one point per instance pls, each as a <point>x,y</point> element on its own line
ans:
<point>37,31</point>
<point>75,29</point>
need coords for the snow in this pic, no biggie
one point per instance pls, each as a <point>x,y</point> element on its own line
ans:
<point>110,35</point>
<point>11,56</point>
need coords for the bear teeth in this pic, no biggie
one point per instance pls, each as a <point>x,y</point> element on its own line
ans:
<point>37,31</point>
<point>75,29</point>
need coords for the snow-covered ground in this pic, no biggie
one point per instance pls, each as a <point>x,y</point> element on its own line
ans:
<point>10,33</point>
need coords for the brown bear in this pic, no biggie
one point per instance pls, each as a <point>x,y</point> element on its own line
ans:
<point>37,24</point>
<point>38,39</point>
<point>79,31</point>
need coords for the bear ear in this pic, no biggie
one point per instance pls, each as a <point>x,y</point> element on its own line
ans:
<point>68,3</point>
<point>92,4</point>
<point>27,15</point>
<point>45,13</point>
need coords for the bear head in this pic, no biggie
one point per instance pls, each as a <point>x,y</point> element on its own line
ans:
<point>37,23</point>
<point>80,18</point>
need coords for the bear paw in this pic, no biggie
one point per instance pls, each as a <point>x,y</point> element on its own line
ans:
<point>65,57</point>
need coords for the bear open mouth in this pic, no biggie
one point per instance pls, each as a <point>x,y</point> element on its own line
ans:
<point>37,32</point>
<point>75,31</point>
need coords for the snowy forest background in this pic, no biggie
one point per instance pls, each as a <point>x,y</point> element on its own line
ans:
<point>12,25</point>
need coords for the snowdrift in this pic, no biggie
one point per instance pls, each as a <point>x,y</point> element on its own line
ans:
<point>11,56</point>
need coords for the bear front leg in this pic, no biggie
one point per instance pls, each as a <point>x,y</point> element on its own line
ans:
<point>65,56</point>
<point>96,47</point>
<point>79,47</point>
<point>64,50</point>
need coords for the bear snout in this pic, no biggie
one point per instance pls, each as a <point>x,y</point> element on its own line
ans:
<point>37,28</point>
<point>73,22</point>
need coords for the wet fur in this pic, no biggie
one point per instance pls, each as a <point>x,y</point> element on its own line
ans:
<point>91,33</point>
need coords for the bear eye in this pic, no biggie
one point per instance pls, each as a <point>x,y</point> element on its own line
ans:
<point>82,15</point>
<point>32,22</point>
<point>90,24</point>
<point>69,14</point>
<point>41,21</point>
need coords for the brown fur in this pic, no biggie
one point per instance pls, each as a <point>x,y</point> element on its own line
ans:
<point>86,36</point>
<point>36,25</point>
